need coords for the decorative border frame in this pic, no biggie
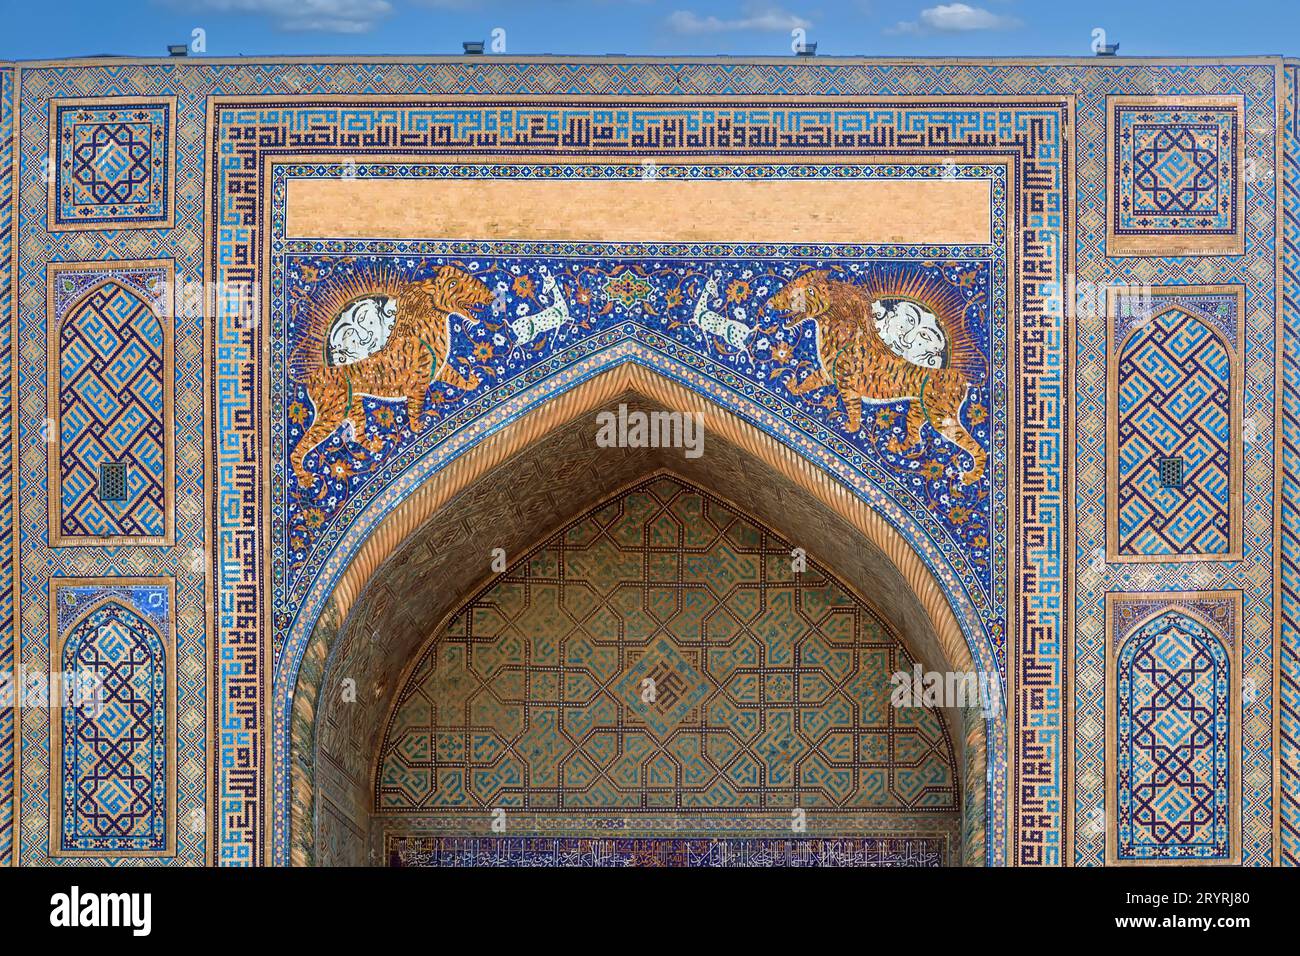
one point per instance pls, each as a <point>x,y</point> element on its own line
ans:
<point>56,771</point>
<point>168,221</point>
<point>1169,600</point>
<point>53,378</point>
<point>1286,673</point>
<point>1047,611</point>
<point>1119,244</point>
<point>9,547</point>
<point>1236,398</point>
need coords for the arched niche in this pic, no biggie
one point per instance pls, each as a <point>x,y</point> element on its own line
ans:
<point>111,458</point>
<point>662,660</point>
<point>539,473</point>
<point>112,746</point>
<point>1173,729</point>
<point>1176,467</point>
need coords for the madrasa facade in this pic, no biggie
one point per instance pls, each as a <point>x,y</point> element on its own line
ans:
<point>602,460</point>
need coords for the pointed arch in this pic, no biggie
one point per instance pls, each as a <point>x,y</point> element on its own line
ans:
<point>954,639</point>
<point>1174,425</point>
<point>1173,728</point>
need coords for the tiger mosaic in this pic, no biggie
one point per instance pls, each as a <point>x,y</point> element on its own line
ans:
<point>919,410</point>
<point>855,357</point>
<point>415,354</point>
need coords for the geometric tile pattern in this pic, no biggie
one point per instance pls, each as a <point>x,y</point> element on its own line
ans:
<point>8,506</point>
<point>678,688</point>
<point>111,395</point>
<point>1288,700</point>
<point>112,741</point>
<point>660,653</point>
<point>113,163</point>
<point>1176,176</point>
<point>1173,745</point>
<point>1175,400</point>
<point>1095,572</point>
<point>1174,729</point>
<point>1075,662</point>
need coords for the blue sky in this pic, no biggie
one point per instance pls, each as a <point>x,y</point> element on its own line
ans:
<point>38,29</point>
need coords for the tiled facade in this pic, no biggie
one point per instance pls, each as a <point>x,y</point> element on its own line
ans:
<point>113,162</point>
<point>1015,337</point>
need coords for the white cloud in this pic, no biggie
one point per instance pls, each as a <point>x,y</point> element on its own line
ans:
<point>303,16</point>
<point>766,19</point>
<point>954,18</point>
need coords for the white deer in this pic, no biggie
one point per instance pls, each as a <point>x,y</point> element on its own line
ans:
<point>732,331</point>
<point>528,327</point>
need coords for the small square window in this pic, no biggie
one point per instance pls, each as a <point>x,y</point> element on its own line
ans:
<point>1171,472</point>
<point>112,482</point>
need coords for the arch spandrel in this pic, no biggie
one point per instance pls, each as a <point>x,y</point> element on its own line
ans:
<point>376,535</point>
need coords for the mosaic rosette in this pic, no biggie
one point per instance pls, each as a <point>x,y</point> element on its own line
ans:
<point>1177,179</point>
<point>112,168</point>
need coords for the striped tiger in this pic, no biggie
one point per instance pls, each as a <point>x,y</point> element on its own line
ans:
<point>864,370</point>
<point>415,355</point>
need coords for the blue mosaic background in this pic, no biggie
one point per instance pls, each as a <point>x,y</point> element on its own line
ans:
<point>660,294</point>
